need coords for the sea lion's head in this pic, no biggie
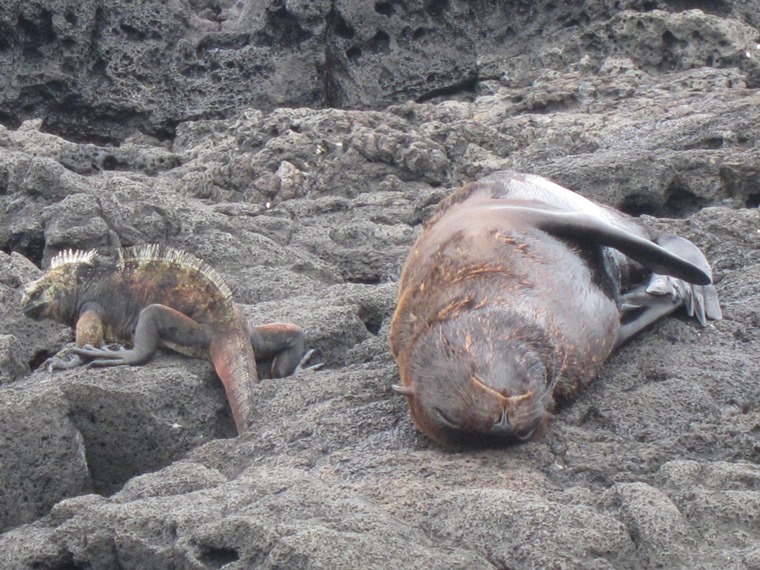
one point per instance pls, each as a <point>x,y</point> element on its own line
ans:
<point>476,377</point>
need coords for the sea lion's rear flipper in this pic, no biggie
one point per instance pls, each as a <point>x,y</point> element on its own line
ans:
<point>662,295</point>
<point>701,301</point>
<point>640,309</point>
<point>585,226</point>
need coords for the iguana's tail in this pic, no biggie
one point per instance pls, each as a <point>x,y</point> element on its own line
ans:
<point>235,363</point>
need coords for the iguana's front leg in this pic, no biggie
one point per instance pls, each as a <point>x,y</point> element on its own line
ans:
<point>284,344</point>
<point>89,331</point>
<point>156,325</point>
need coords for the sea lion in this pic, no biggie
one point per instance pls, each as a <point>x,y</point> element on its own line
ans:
<point>516,292</point>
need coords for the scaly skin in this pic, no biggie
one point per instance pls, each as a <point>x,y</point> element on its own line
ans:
<point>155,296</point>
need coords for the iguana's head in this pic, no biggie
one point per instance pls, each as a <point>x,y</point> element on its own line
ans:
<point>50,296</point>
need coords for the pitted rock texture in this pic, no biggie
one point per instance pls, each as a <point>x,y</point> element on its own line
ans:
<point>297,147</point>
<point>95,71</point>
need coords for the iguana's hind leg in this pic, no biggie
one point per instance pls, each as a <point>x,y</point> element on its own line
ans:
<point>156,325</point>
<point>284,344</point>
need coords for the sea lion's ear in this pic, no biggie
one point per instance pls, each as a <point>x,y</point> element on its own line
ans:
<point>403,390</point>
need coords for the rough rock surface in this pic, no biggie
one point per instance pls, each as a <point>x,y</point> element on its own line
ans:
<point>297,147</point>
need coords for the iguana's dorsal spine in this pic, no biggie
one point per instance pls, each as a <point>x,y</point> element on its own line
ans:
<point>74,257</point>
<point>154,253</point>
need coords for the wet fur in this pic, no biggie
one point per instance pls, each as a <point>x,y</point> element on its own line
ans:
<point>496,316</point>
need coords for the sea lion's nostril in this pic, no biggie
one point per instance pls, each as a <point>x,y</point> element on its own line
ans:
<point>502,425</point>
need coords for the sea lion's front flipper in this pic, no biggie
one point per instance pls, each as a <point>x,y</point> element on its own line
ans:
<point>585,226</point>
<point>681,273</point>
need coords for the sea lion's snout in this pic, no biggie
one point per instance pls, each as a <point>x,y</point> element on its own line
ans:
<point>449,419</point>
<point>521,414</point>
<point>522,431</point>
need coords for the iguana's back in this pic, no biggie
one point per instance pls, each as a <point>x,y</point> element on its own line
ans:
<point>145,275</point>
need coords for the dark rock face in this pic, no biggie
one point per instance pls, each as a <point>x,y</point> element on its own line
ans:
<point>297,147</point>
<point>96,71</point>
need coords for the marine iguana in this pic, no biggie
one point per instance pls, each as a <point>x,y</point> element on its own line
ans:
<point>154,296</point>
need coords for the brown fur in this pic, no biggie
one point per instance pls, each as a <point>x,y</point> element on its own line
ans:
<point>516,292</point>
<point>478,300</point>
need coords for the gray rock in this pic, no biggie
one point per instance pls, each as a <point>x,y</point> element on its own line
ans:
<point>516,528</point>
<point>297,147</point>
<point>658,529</point>
<point>42,461</point>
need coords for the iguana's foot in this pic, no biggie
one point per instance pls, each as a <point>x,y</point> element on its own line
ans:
<point>65,359</point>
<point>69,357</point>
<point>107,356</point>
<point>302,364</point>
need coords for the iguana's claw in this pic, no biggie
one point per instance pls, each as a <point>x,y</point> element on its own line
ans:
<point>58,362</point>
<point>102,356</point>
<point>64,359</point>
<point>302,364</point>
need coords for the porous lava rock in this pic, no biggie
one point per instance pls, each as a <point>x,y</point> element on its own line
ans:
<point>297,147</point>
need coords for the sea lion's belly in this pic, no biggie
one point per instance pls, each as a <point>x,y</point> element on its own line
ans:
<point>568,301</point>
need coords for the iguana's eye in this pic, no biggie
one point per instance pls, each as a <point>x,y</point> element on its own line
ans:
<point>34,295</point>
